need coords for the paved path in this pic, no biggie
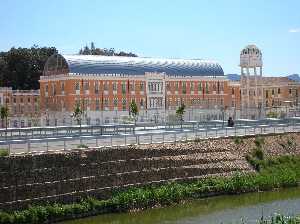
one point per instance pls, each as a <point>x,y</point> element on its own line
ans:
<point>140,136</point>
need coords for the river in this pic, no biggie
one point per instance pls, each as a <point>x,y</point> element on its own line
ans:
<point>222,209</point>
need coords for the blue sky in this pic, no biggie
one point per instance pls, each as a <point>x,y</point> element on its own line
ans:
<point>209,29</point>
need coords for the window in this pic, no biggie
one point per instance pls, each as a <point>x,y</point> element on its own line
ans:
<point>96,87</point>
<point>267,94</point>
<point>46,88</point>
<point>273,92</point>
<point>28,100</point>
<point>106,86</point>
<point>86,85</point>
<point>232,91</point>
<point>168,86</point>
<point>123,87</point>
<point>192,86</point>
<point>290,91</point>
<point>142,86</point>
<point>114,86</point>
<point>184,87</point>
<point>131,86</point>
<point>199,86</point>
<point>176,86</point>
<point>97,107</point>
<point>62,86</point>
<point>124,104</point>
<point>53,89</point>
<point>142,102</point>
<point>278,91</point>
<point>206,87</point>
<point>21,99</point>
<point>106,102</point>
<point>77,86</point>
<point>115,102</point>
<point>14,99</point>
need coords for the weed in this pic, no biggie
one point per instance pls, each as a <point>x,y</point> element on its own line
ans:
<point>82,146</point>
<point>4,152</point>
<point>238,140</point>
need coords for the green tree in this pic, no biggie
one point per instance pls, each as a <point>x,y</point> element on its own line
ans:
<point>134,111</point>
<point>103,51</point>
<point>21,68</point>
<point>180,113</point>
<point>77,115</point>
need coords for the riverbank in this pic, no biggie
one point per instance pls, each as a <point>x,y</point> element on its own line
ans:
<point>273,172</point>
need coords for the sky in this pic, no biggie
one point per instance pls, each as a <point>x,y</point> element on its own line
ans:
<point>207,29</point>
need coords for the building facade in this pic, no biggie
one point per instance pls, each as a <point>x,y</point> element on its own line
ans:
<point>23,107</point>
<point>105,86</point>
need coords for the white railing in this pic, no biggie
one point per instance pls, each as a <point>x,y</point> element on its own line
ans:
<point>42,145</point>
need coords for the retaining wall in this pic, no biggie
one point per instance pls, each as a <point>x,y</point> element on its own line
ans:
<point>67,177</point>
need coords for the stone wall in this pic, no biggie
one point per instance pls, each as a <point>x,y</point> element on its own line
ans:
<point>67,177</point>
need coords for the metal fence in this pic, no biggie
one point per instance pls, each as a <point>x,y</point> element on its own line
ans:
<point>164,134</point>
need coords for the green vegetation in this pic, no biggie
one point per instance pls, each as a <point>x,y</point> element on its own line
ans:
<point>107,52</point>
<point>82,146</point>
<point>3,152</point>
<point>280,219</point>
<point>21,68</point>
<point>238,140</point>
<point>180,113</point>
<point>283,171</point>
<point>134,111</point>
<point>272,114</point>
<point>77,115</point>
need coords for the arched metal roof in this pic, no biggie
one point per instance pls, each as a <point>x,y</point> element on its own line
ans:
<point>94,64</point>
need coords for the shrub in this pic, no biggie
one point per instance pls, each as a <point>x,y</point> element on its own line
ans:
<point>4,152</point>
<point>82,146</point>
<point>258,153</point>
<point>238,140</point>
<point>259,141</point>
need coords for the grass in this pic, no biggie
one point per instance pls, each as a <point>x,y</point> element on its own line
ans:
<point>4,152</point>
<point>283,171</point>
<point>280,219</point>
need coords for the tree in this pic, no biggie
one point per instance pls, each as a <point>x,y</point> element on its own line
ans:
<point>77,115</point>
<point>180,113</point>
<point>4,116</point>
<point>103,51</point>
<point>134,111</point>
<point>21,68</point>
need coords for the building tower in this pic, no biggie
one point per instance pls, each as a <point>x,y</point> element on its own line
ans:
<point>251,82</point>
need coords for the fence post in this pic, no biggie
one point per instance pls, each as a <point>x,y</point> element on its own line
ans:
<point>163,137</point>
<point>111,140</point>
<point>28,145</point>
<point>125,139</point>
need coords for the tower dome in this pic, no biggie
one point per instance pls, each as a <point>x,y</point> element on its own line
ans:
<point>251,57</point>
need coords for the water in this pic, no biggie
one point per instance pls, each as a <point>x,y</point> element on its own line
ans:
<point>223,209</point>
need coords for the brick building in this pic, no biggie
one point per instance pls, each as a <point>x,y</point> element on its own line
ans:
<point>105,86</point>
<point>23,107</point>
